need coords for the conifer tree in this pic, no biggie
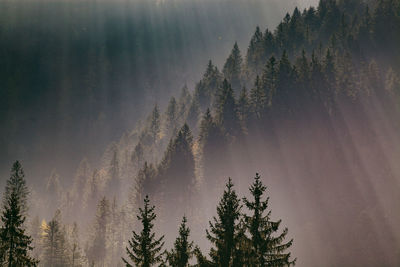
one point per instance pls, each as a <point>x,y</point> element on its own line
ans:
<point>225,232</point>
<point>212,143</point>
<point>193,114</point>
<point>114,181</point>
<point>233,68</point>
<point>144,249</point>
<point>184,103</point>
<point>256,53</point>
<point>266,249</point>
<point>171,117</point>
<point>154,124</point>
<point>243,106</point>
<point>54,243</point>
<point>258,100</point>
<point>76,252</point>
<point>137,157</point>
<point>16,183</point>
<point>182,251</point>
<point>227,115</point>
<point>177,172</point>
<point>15,244</point>
<point>269,79</point>
<point>98,248</point>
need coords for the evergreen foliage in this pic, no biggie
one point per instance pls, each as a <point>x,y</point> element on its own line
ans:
<point>145,249</point>
<point>15,245</point>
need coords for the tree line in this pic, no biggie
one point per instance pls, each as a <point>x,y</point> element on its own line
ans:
<point>238,238</point>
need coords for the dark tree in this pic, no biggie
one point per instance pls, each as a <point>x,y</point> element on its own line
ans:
<point>183,248</point>
<point>15,244</point>
<point>144,249</point>
<point>233,68</point>
<point>266,249</point>
<point>227,113</point>
<point>225,232</point>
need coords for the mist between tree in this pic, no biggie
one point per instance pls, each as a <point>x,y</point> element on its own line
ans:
<point>312,105</point>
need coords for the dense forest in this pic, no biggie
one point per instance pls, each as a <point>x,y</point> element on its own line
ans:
<point>312,105</point>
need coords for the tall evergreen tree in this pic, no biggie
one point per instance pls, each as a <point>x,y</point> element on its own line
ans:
<point>183,248</point>
<point>267,249</point>
<point>227,115</point>
<point>233,68</point>
<point>145,249</point>
<point>224,231</point>
<point>15,244</point>
<point>75,249</point>
<point>177,172</point>
<point>137,157</point>
<point>17,184</point>
<point>258,100</point>
<point>54,243</point>
<point>243,107</point>
<point>171,117</point>
<point>154,124</point>
<point>98,248</point>
<point>269,79</point>
<point>212,143</point>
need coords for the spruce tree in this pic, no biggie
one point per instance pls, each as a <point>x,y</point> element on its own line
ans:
<point>54,243</point>
<point>171,117</point>
<point>154,124</point>
<point>243,107</point>
<point>144,249</point>
<point>258,100</point>
<point>225,232</point>
<point>227,113</point>
<point>17,184</point>
<point>75,249</point>
<point>233,68</point>
<point>183,248</point>
<point>266,249</point>
<point>98,248</point>
<point>15,244</point>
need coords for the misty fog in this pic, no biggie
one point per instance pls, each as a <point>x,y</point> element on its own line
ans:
<point>106,102</point>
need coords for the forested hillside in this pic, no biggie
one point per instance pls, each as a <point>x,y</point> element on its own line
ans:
<point>312,105</point>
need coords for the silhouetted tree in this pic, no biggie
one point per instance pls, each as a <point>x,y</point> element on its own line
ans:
<point>182,251</point>
<point>224,230</point>
<point>267,249</point>
<point>144,249</point>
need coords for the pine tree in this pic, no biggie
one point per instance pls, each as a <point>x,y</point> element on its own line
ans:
<point>171,117</point>
<point>154,126</point>
<point>243,107</point>
<point>184,103</point>
<point>258,100</point>
<point>144,249</point>
<point>114,181</point>
<point>227,115</point>
<point>212,143</point>
<point>267,249</point>
<point>193,114</point>
<point>224,232</point>
<point>255,53</point>
<point>98,249</point>
<point>269,80</point>
<point>183,248</point>
<point>76,252</point>
<point>16,183</point>
<point>177,172</point>
<point>15,244</point>
<point>137,157</point>
<point>54,243</point>
<point>233,68</point>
